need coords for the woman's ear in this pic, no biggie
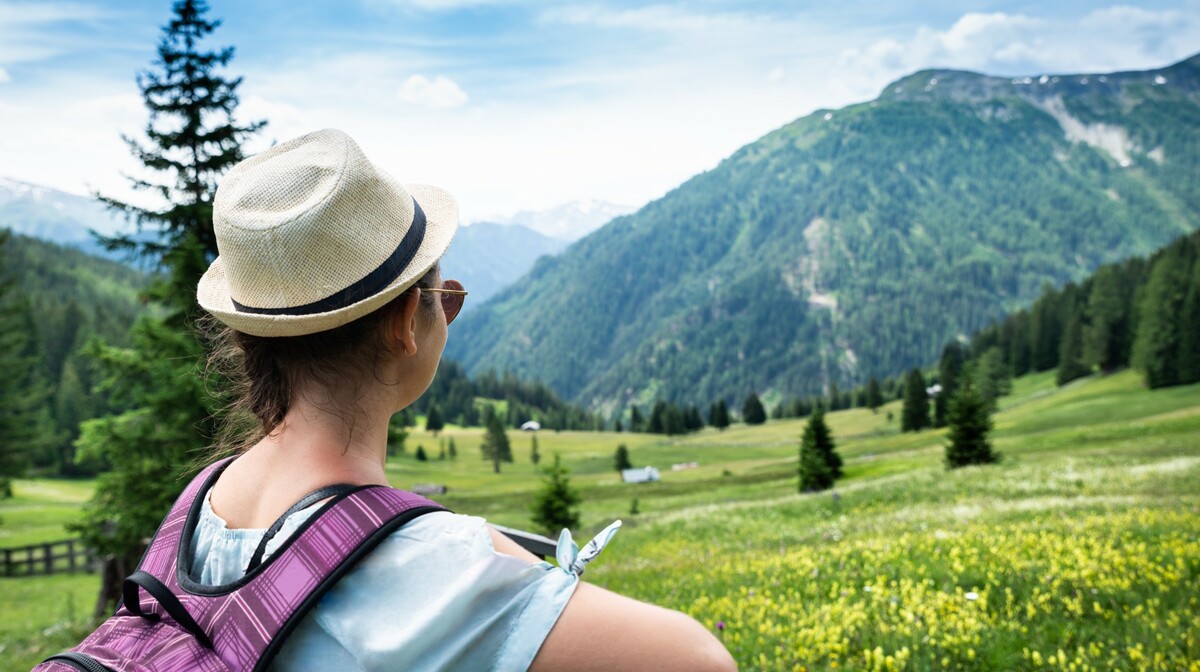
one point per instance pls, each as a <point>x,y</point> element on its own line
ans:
<point>402,325</point>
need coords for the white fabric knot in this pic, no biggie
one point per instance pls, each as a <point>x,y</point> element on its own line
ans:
<point>573,560</point>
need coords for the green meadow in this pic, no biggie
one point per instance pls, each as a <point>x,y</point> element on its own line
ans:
<point>1079,551</point>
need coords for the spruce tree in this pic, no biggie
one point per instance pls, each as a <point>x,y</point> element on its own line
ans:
<point>1159,332</point>
<point>1019,351</point>
<point>453,449</point>
<point>1107,338</point>
<point>969,422</point>
<point>495,442</point>
<point>24,418</point>
<point>621,458</point>
<point>191,139</point>
<point>874,395</point>
<point>915,415</point>
<point>657,422</point>
<point>397,435</point>
<point>1070,354</point>
<point>556,505</point>
<point>950,370</point>
<point>1189,354</point>
<point>534,455</point>
<point>673,421</point>
<point>636,422</point>
<point>720,415</point>
<point>1045,330</point>
<point>823,439</point>
<point>753,412</point>
<point>420,455</point>
<point>433,420</point>
<point>990,376</point>
<point>819,463</point>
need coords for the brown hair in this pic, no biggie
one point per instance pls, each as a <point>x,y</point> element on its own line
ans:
<point>259,376</point>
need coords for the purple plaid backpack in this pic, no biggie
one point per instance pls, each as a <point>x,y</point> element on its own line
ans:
<point>184,625</point>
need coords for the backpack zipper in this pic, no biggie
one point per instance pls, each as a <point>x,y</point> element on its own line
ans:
<point>79,661</point>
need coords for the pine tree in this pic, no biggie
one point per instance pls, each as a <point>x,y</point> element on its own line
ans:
<point>1019,351</point>
<point>397,435</point>
<point>1189,354</point>
<point>673,421</point>
<point>24,421</point>
<point>819,463</point>
<point>950,369</point>
<point>621,458</point>
<point>753,412</point>
<point>1107,340</point>
<point>1045,332</point>
<point>719,417</point>
<point>534,455</point>
<point>420,455</point>
<point>874,396</point>
<point>192,137</point>
<point>1070,354</point>
<point>636,423</point>
<point>453,449</point>
<point>969,423</point>
<point>556,505</point>
<point>1159,335</point>
<point>915,415</point>
<point>191,140</point>
<point>433,420</point>
<point>822,438</point>
<point>495,442</point>
<point>990,376</point>
<point>813,472</point>
<point>658,419</point>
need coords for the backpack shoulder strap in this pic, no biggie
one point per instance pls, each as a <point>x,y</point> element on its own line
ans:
<point>307,501</point>
<point>160,556</point>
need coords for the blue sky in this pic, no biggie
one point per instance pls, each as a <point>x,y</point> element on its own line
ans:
<point>516,104</point>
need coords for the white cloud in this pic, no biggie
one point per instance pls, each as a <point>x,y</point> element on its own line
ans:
<point>1113,38</point>
<point>28,13</point>
<point>776,75</point>
<point>439,93</point>
<point>665,18</point>
<point>446,5</point>
<point>4,76</point>
<point>26,28</point>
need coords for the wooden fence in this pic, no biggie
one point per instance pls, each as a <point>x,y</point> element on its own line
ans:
<point>54,557</point>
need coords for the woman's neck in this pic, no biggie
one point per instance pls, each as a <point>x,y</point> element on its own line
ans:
<point>334,441</point>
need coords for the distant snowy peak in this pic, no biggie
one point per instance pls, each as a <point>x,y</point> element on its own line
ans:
<point>569,221</point>
<point>53,215</point>
<point>11,189</point>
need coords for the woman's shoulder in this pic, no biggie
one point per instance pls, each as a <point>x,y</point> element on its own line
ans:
<point>443,528</point>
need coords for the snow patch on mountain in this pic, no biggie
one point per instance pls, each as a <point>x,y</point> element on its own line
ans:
<point>1114,140</point>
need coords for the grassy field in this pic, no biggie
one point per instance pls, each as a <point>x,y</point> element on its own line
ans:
<point>1079,551</point>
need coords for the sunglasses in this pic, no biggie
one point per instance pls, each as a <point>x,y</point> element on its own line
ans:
<point>453,296</point>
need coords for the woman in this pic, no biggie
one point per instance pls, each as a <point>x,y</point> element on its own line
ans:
<point>328,286</point>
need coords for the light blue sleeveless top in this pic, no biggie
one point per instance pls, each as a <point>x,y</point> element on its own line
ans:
<point>434,595</point>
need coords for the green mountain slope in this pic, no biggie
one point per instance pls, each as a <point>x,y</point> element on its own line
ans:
<point>857,241</point>
<point>68,298</point>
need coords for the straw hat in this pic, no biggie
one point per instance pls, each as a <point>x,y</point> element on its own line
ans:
<point>311,236</point>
